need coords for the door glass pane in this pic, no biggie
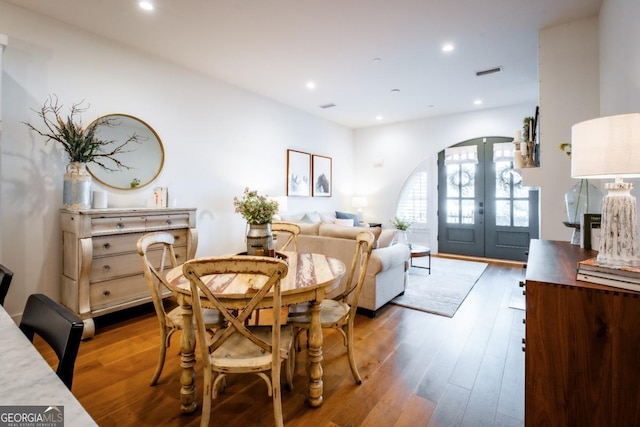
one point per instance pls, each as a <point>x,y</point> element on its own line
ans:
<point>468,211</point>
<point>503,213</point>
<point>519,191</point>
<point>453,211</point>
<point>453,175</point>
<point>520,213</point>
<point>467,180</point>
<point>503,179</point>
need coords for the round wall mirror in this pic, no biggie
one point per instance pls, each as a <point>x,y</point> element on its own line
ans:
<point>144,156</point>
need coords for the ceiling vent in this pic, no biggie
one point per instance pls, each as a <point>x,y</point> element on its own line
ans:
<point>489,71</point>
<point>325,106</point>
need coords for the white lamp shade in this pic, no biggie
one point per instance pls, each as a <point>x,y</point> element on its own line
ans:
<point>359,202</point>
<point>607,147</point>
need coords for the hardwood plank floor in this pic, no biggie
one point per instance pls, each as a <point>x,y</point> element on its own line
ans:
<point>418,369</point>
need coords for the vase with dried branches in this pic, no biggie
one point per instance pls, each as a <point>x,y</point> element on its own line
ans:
<point>82,146</point>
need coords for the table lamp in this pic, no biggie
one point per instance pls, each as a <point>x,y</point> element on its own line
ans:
<point>359,202</point>
<point>609,147</point>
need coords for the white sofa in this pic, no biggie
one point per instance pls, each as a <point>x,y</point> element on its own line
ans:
<point>388,266</point>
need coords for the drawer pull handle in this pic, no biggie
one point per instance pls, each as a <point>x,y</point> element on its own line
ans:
<point>120,226</point>
<point>176,237</point>
<point>107,245</point>
<point>106,293</point>
<point>106,268</point>
<point>168,222</point>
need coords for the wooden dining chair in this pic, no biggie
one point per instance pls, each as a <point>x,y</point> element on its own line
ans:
<point>5,281</point>
<point>60,328</point>
<point>239,347</point>
<point>339,313</point>
<point>157,253</point>
<point>288,230</point>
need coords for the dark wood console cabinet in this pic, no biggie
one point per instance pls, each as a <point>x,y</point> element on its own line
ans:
<point>582,344</point>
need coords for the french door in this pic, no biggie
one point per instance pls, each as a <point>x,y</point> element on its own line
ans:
<point>483,209</point>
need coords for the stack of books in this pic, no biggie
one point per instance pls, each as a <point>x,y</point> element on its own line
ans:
<point>621,277</point>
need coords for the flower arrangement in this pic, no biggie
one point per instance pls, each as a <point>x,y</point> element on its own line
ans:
<point>81,145</point>
<point>400,224</point>
<point>254,208</point>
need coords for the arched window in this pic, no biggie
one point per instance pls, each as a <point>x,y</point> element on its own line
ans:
<point>412,203</point>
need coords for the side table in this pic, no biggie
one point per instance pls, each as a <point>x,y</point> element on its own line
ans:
<point>419,251</point>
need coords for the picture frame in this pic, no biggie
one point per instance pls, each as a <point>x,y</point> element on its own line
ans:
<point>298,173</point>
<point>322,179</point>
<point>590,230</point>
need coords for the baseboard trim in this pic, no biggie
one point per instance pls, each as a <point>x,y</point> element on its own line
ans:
<point>494,261</point>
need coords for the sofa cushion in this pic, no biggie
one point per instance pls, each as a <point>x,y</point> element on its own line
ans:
<point>309,229</point>
<point>333,230</point>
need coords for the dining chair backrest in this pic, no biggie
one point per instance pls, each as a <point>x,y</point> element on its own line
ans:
<point>59,327</point>
<point>5,281</point>
<point>358,269</point>
<point>155,275</point>
<point>288,230</point>
<point>242,347</point>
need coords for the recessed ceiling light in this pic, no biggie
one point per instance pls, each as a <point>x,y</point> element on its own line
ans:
<point>378,118</point>
<point>377,59</point>
<point>395,90</point>
<point>146,5</point>
<point>448,47</point>
<point>311,85</point>
<point>478,102</point>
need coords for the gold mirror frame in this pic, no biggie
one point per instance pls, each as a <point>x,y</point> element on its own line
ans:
<point>144,157</point>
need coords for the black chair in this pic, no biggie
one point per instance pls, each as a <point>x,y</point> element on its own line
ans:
<point>58,326</point>
<point>5,280</point>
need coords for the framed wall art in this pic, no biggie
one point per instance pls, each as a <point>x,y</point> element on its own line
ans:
<point>321,176</point>
<point>298,173</point>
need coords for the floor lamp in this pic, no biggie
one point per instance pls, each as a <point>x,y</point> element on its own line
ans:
<point>609,147</point>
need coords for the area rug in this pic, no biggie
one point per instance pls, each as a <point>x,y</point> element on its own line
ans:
<point>442,291</point>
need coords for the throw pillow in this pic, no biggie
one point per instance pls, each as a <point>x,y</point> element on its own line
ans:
<point>345,215</point>
<point>344,222</point>
<point>328,217</point>
<point>386,237</point>
<point>310,218</point>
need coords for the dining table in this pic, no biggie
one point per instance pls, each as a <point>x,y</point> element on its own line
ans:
<point>29,387</point>
<point>309,279</point>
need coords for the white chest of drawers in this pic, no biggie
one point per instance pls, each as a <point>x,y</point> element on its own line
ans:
<point>101,268</point>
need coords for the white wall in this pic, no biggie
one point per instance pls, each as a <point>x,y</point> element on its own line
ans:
<point>619,57</point>
<point>404,146</point>
<point>569,93</point>
<point>217,139</point>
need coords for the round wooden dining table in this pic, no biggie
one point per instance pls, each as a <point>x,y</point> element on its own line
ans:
<point>309,279</point>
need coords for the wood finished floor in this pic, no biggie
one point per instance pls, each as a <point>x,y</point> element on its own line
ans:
<point>418,369</point>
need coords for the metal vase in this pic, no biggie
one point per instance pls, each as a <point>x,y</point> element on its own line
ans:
<point>76,192</point>
<point>259,239</point>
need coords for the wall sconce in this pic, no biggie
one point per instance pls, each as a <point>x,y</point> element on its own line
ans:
<point>609,147</point>
<point>359,202</point>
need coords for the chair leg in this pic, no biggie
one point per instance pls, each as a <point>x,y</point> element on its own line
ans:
<point>350,352</point>
<point>164,343</point>
<point>276,393</point>
<point>207,394</point>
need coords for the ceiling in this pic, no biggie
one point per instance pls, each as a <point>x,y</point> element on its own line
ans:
<point>356,51</point>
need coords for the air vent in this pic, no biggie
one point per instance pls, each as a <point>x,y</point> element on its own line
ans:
<point>325,106</point>
<point>489,71</point>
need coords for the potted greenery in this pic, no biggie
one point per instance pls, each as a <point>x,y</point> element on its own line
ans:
<point>81,145</point>
<point>402,226</point>
<point>258,211</point>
